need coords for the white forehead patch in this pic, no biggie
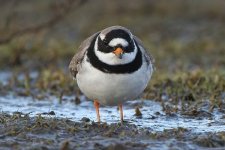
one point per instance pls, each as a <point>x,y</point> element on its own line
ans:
<point>102,36</point>
<point>117,41</point>
<point>112,59</point>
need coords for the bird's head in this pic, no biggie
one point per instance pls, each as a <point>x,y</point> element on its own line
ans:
<point>115,45</point>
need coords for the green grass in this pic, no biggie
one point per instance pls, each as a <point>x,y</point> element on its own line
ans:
<point>186,38</point>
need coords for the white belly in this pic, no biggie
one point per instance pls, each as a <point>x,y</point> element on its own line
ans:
<point>112,89</point>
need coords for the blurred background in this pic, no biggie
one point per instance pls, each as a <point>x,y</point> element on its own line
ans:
<point>38,39</point>
<point>181,35</point>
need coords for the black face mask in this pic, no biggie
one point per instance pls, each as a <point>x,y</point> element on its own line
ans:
<point>105,48</point>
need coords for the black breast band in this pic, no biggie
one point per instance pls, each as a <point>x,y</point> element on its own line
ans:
<point>116,69</point>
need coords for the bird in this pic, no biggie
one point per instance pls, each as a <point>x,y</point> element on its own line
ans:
<point>111,67</point>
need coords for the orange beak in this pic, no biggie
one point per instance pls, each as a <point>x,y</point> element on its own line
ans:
<point>118,52</point>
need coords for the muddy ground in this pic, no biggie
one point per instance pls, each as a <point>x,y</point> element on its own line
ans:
<point>19,131</point>
<point>183,106</point>
<point>33,118</point>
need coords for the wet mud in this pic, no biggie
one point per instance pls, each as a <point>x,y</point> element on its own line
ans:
<point>27,123</point>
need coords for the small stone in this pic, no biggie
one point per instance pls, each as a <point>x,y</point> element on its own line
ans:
<point>138,112</point>
<point>51,113</point>
<point>152,117</point>
<point>85,119</point>
<point>77,100</point>
<point>157,113</point>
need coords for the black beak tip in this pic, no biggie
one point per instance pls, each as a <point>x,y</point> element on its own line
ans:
<point>120,56</point>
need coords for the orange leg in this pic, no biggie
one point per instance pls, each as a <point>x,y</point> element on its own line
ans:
<point>96,103</point>
<point>121,112</point>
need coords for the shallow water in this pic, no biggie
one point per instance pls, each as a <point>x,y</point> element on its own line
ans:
<point>153,118</point>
